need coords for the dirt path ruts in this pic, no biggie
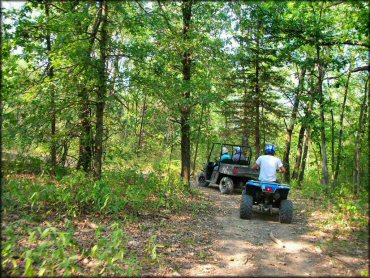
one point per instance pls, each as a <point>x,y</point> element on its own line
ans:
<point>245,248</point>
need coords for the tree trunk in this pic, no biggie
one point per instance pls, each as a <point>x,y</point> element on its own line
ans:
<point>101,92</point>
<point>141,132</point>
<point>1,111</point>
<point>317,161</point>
<point>304,158</point>
<point>50,74</point>
<point>299,152</point>
<point>356,169</point>
<point>368,129</point>
<point>339,151</point>
<point>257,96</point>
<point>245,135</point>
<point>198,138</point>
<point>324,162</point>
<point>185,109</point>
<point>332,142</point>
<point>86,140</point>
<point>290,127</point>
<point>85,148</point>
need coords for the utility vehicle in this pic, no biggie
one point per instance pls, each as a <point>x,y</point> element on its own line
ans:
<point>266,195</point>
<point>227,174</point>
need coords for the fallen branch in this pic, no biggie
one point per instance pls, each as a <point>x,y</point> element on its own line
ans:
<point>248,258</point>
<point>277,241</point>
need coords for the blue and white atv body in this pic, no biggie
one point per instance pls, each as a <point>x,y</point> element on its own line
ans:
<point>267,195</point>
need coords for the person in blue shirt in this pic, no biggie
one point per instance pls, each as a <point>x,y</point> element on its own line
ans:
<point>238,154</point>
<point>225,154</point>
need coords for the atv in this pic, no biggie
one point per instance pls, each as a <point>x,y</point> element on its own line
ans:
<point>227,174</point>
<point>266,195</point>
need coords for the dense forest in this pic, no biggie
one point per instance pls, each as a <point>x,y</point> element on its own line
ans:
<point>110,109</point>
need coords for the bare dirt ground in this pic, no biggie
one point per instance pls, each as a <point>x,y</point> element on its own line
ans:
<point>222,244</point>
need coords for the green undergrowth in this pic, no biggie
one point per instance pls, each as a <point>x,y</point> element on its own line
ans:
<point>339,213</point>
<point>30,250</point>
<point>39,239</point>
<point>118,194</point>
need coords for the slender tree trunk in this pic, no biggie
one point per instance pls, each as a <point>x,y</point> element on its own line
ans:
<point>101,92</point>
<point>185,109</point>
<point>339,152</point>
<point>50,74</point>
<point>299,152</point>
<point>290,127</point>
<point>359,135</point>
<point>1,109</point>
<point>317,161</point>
<point>198,138</point>
<point>86,140</point>
<point>141,132</point>
<point>85,144</point>
<point>368,128</point>
<point>257,96</point>
<point>324,162</point>
<point>332,142</point>
<point>208,117</point>
<point>304,158</point>
<point>245,135</point>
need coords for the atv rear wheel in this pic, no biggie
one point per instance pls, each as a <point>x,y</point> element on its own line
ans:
<point>226,185</point>
<point>286,211</point>
<point>202,180</point>
<point>246,206</point>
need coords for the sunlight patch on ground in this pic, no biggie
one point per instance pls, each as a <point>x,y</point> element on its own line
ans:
<point>294,247</point>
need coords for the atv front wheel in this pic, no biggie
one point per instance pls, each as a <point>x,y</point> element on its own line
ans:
<point>202,180</point>
<point>246,207</point>
<point>286,211</point>
<point>226,185</point>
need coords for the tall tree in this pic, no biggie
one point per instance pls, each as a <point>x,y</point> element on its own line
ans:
<point>185,109</point>
<point>101,91</point>
<point>291,124</point>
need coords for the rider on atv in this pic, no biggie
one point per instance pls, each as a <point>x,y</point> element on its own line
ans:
<point>268,164</point>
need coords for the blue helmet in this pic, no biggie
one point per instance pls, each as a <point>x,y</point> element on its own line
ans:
<point>270,149</point>
<point>238,150</point>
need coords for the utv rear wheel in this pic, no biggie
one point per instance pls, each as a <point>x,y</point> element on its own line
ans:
<point>286,211</point>
<point>246,207</point>
<point>202,180</point>
<point>226,185</point>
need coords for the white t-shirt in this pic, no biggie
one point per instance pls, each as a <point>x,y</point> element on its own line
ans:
<point>268,165</point>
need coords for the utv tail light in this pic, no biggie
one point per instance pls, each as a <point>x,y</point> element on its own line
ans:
<point>235,170</point>
<point>269,189</point>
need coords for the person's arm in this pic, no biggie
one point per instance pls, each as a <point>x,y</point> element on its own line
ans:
<point>281,166</point>
<point>256,165</point>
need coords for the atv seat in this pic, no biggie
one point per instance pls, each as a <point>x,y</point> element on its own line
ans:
<point>227,161</point>
<point>242,162</point>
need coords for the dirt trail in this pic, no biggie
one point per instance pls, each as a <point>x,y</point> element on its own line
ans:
<point>245,248</point>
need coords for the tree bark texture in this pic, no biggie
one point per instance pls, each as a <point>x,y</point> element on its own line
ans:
<point>358,144</point>
<point>368,127</point>
<point>86,140</point>
<point>304,158</point>
<point>324,161</point>
<point>101,92</point>
<point>339,151</point>
<point>198,137</point>
<point>85,144</point>
<point>185,109</point>
<point>50,74</point>
<point>257,96</point>
<point>290,127</point>
<point>141,132</point>
<point>299,152</point>
<point>332,143</point>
